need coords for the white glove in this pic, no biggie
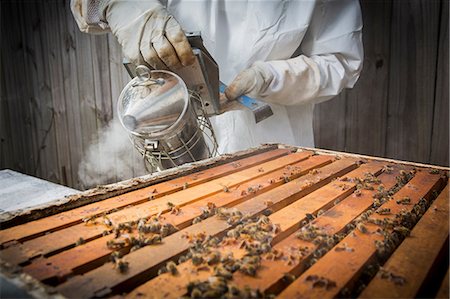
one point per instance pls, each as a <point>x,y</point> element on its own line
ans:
<point>148,33</point>
<point>277,81</point>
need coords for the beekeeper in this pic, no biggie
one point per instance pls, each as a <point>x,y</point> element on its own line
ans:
<point>291,54</point>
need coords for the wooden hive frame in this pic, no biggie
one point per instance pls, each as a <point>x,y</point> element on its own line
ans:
<point>327,224</point>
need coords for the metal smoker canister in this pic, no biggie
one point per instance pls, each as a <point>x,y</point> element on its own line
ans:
<point>156,109</point>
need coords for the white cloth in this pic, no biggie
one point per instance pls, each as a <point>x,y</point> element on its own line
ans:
<point>322,35</point>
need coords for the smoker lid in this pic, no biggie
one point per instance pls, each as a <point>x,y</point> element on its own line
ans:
<point>152,102</point>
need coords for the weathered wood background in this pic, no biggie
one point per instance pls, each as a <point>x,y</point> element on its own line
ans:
<point>59,87</point>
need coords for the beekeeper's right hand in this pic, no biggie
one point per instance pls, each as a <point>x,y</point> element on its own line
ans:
<point>148,33</point>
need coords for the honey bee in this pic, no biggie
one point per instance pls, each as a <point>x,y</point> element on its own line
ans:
<point>107,221</point>
<point>404,201</point>
<point>213,258</point>
<point>236,164</point>
<point>233,233</point>
<point>80,241</point>
<point>155,239</point>
<point>287,277</point>
<point>172,268</point>
<point>121,266</point>
<point>220,271</point>
<point>167,229</point>
<point>90,220</point>
<point>314,171</point>
<point>197,259</point>
<point>343,247</point>
<point>175,210</point>
<point>185,186</point>
<point>403,231</point>
<point>362,228</point>
<point>387,169</point>
<point>197,220</point>
<point>384,211</point>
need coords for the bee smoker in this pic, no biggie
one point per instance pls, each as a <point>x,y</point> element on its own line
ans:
<point>167,114</point>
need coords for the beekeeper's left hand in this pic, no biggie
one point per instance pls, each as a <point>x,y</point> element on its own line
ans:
<point>275,81</point>
<point>252,81</point>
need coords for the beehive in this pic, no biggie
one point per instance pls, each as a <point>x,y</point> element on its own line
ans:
<point>274,221</point>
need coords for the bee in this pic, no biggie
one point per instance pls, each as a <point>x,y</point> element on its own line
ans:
<point>196,293</point>
<point>343,247</point>
<point>362,228</point>
<point>182,259</point>
<point>286,179</point>
<point>287,277</point>
<point>121,266</point>
<point>233,233</point>
<point>310,217</point>
<point>236,164</point>
<point>155,239</point>
<point>319,252</point>
<point>107,221</point>
<point>357,192</point>
<point>185,186</point>
<point>248,269</point>
<point>434,171</point>
<point>90,219</point>
<point>141,226</point>
<point>384,211</point>
<point>80,241</point>
<point>175,210</point>
<point>387,169</point>
<point>172,268</point>
<point>267,212</point>
<point>197,220</point>
<point>167,229</point>
<point>314,171</point>
<point>162,270</point>
<point>403,231</point>
<point>213,258</point>
<point>226,189</point>
<point>404,201</point>
<point>222,272</point>
<point>197,259</point>
<point>320,212</point>
<point>271,181</point>
<point>127,226</point>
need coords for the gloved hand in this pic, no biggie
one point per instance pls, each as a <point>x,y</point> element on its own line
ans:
<point>148,33</point>
<point>252,82</point>
<point>285,82</point>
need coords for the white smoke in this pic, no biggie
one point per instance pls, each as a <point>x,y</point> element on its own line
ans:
<point>110,158</point>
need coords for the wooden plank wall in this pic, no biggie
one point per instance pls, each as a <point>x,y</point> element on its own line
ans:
<point>399,107</point>
<point>59,87</point>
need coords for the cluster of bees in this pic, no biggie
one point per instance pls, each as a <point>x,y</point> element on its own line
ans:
<point>253,235</point>
<point>320,282</point>
<point>134,235</point>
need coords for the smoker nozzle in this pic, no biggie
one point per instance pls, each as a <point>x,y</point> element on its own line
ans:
<point>129,122</point>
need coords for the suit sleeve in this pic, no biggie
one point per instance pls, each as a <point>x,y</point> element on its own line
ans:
<point>331,57</point>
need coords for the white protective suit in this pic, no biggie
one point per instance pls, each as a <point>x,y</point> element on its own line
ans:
<point>323,36</point>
